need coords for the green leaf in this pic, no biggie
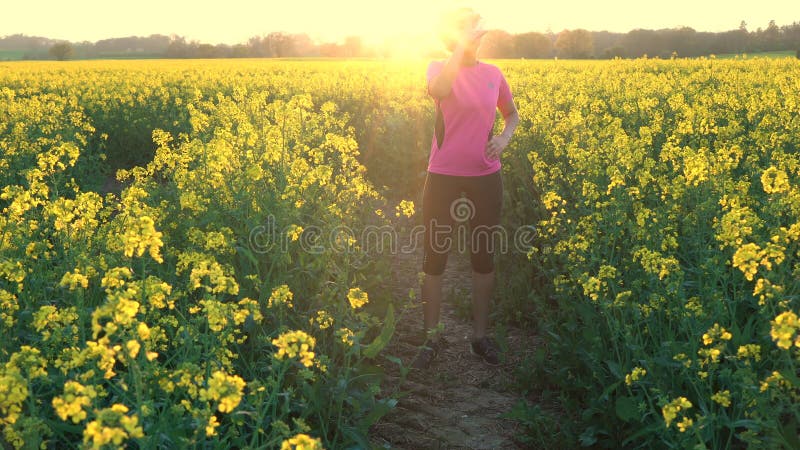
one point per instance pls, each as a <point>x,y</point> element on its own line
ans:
<point>626,408</point>
<point>790,375</point>
<point>614,368</point>
<point>382,339</point>
<point>247,254</point>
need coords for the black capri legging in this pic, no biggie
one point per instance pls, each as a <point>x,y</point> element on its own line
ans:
<point>443,205</point>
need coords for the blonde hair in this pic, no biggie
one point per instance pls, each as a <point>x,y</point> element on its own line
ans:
<point>452,24</point>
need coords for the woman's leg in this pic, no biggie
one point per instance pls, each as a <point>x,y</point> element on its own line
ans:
<point>482,286</point>
<point>431,300</point>
<point>438,194</point>
<point>486,193</point>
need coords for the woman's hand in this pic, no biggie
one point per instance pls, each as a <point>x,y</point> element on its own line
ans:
<point>495,146</point>
<point>471,35</point>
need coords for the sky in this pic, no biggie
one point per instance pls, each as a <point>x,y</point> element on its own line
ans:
<point>235,21</point>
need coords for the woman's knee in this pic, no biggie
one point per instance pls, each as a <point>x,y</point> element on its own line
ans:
<point>482,262</point>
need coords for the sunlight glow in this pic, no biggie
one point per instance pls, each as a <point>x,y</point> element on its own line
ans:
<point>406,26</point>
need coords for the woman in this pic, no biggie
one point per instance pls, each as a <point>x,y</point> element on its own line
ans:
<point>465,157</point>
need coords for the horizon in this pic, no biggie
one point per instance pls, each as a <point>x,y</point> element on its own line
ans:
<point>375,24</point>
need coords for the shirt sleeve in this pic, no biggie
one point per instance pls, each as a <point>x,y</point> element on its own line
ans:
<point>504,96</point>
<point>433,69</point>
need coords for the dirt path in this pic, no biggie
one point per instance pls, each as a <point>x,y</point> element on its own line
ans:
<point>457,403</point>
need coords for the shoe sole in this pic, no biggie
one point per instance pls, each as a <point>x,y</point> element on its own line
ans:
<point>471,350</point>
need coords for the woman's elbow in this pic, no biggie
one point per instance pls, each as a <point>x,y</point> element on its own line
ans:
<point>437,90</point>
<point>512,117</point>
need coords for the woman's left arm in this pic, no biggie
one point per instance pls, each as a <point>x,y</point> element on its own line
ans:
<point>499,142</point>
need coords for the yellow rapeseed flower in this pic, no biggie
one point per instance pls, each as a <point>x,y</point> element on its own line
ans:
<point>295,344</point>
<point>749,351</point>
<point>774,181</point>
<point>357,297</point>
<point>747,258</point>
<point>784,328</point>
<point>670,410</point>
<point>225,389</point>
<point>76,397</point>
<point>302,442</point>
<point>281,295</point>
<point>716,333</point>
<point>405,208</point>
<point>323,319</point>
<point>133,347</point>
<point>346,335</point>
<point>722,397</point>
<point>684,424</point>
<point>696,169</point>
<point>115,277</point>
<point>294,232</point>
<point>141,236</point>
<point>112,426</point>
<point>211,426</point>
<point>636,374</point>
<point>74,279</point>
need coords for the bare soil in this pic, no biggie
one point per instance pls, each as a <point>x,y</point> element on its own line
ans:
<point>458,402</point>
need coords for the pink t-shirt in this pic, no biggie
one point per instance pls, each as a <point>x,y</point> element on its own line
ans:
<point>467,116</point>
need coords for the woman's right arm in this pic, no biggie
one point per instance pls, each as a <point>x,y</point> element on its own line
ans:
<point>440,85</point>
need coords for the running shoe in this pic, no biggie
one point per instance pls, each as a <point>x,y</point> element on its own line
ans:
<point>427,353</point>
<point>487,349</point>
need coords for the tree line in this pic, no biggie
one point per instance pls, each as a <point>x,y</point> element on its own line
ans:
<point>663,43</point>
<point>577,43</point>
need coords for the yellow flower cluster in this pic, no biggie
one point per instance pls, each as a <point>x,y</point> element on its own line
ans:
<point>78,215</point>
<point>206,267</point>
<point>405,208</point>
<point>112,426</point>
<point>211,426</point>
<point>696,169</point>
<point>294,232</point>
<point>115,278</point>
<point>221,314</point>
<point>655,262</point>
<point>591,287</point>
<point>636,374</point>
<point>323,320</point>
<point>302,442</point>
<point>24,366</point>
<point>74,279</point>
<point>295,344</point>
<point>76,397</point>
<point>774,181</point>
<point>784,327</point>
<point>749,351</point>
<point>776,379</point>
<point>281,295</point>
<point>226,390</point>
<point>684,424</point>
<point>722,397</point>
<point>8,307</point>
<point>357,298</point>
<point>716,333</point>
<point>764,289</point>
<point>346,335</point>
<point>750,256</point>
<point>736,225</point>
<point>552,200</point>
<point>141,236</point>
<point>670,410</point>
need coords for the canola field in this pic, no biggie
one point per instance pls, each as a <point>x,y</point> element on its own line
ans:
<point>163,283</point>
